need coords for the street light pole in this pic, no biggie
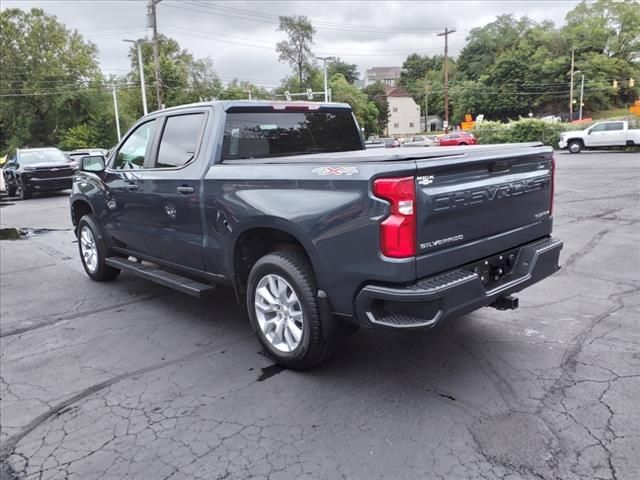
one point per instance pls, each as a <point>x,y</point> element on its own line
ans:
<point>446,34</point>
<point>156,50</point>
<point>115,108</point>
<point>141,67</point>
<point>324,68</point>
<point>573,52</point>
<point>581,94</point>
<point>426,107</point>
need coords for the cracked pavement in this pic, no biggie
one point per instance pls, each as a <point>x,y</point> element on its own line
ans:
<point>128,379</point>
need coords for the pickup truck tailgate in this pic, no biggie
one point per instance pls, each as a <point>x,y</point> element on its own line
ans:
<point>474,205</point>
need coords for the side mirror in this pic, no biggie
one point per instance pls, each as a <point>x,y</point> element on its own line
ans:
<point>589,132</point>
<point>93,163</point>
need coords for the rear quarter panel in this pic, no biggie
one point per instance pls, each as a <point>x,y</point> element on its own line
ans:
<point>334,217</point>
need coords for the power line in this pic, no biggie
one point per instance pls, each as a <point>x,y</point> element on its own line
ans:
<point>264,18</point>
<point>67,92</point>
<point>200,34</point>
<point>314,21</point>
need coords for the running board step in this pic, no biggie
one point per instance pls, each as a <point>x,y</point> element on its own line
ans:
<point>158,275</point>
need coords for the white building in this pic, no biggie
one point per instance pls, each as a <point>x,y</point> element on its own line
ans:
<point>389,76</point>
<point>404,113</point>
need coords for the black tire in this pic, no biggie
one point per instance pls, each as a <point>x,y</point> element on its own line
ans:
<point>102,271</point>
<point>463,143</point>
<point>574,146</point>
<point>23,192</point>
<point>11,190</point>
<point>293,266</point>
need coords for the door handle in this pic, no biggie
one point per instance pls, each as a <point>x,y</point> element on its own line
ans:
<point>132,186</point>
<point>185,189</point>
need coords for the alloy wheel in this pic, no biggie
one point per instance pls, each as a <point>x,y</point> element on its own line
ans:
<point>88,249</point>
<point>279,313</point>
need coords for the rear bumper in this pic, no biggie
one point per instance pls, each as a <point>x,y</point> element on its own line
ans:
<point>435,299</point>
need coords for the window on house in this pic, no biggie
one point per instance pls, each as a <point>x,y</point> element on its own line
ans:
<point>395,109</point>
<point>410,124</point>
<point>396,125</point>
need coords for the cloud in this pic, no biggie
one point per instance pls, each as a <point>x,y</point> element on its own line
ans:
<point>240,36</point>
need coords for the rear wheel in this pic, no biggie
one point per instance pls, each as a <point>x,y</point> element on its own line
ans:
<point>283,310</point>
<point>93,252</point>
<point>11,190</point>
<point>575,146</point>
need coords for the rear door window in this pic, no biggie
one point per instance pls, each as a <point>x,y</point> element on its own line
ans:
<point>180,139</point>
<point>614,126</point>
<point>262,133</point>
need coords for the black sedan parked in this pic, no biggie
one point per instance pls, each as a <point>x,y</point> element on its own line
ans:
<point>36,170</point>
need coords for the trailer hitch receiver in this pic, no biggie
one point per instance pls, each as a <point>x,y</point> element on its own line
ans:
<point>505,303</point>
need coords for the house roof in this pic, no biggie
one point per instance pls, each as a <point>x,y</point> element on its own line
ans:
<point>396,92</point>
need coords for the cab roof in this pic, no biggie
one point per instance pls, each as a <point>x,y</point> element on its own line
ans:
<point>275,104</point>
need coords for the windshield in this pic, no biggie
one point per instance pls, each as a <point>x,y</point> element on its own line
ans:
<point>29,157</point>
<point>264,133</point>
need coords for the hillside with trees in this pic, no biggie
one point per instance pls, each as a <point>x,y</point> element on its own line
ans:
<point>52,91</point>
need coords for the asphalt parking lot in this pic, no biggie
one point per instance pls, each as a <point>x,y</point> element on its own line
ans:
<point>131,380</point>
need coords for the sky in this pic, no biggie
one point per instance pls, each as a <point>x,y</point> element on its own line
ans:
<point>240,36</point>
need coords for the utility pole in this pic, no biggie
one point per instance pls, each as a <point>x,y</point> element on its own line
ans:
<point>115,107</point>
<point>324,69</point>
<point>141,69</point>
<point>156,53</point>
<point>446,34</point>
<point>249,92</point>
<point>573,53</point>
<point>581,95</point>
<point>426,107</point>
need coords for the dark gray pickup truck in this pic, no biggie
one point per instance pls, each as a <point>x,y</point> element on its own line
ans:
<point>317,235</point>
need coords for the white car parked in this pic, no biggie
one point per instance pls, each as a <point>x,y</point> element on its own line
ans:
<point>602,134</point>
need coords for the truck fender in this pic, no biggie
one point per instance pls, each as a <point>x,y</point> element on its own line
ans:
<point>285,226</point>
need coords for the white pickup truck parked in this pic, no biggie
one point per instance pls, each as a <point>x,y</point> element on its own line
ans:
<point>600,135</point>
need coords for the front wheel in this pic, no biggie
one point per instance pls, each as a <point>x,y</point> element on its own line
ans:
<point>11,190</point>
<point>575,147</point>
<point>93,252</point>
<point>22,191</point>
<point>283,309</point>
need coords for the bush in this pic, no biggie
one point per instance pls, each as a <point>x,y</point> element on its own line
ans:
<point>534,130</point>
<point>523,130</point>
<point>492,132</point>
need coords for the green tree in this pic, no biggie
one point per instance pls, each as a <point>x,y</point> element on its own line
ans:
<point>296,50</point>
<point>377,95</point>
<point>239,90</point>
<point>49,77</point>
<point>485,44</point>
<point>365,111</point>
<point>184,79</point>
<point>348,70</point>
<point>423,77</point>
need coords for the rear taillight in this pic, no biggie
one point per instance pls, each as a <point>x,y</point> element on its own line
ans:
<point>398,230</point>
<point>553,184</point>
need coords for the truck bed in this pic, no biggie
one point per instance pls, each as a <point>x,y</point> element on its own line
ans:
<point>401,154</point>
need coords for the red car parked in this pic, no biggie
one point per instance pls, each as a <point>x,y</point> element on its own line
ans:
<point>456,138</point>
